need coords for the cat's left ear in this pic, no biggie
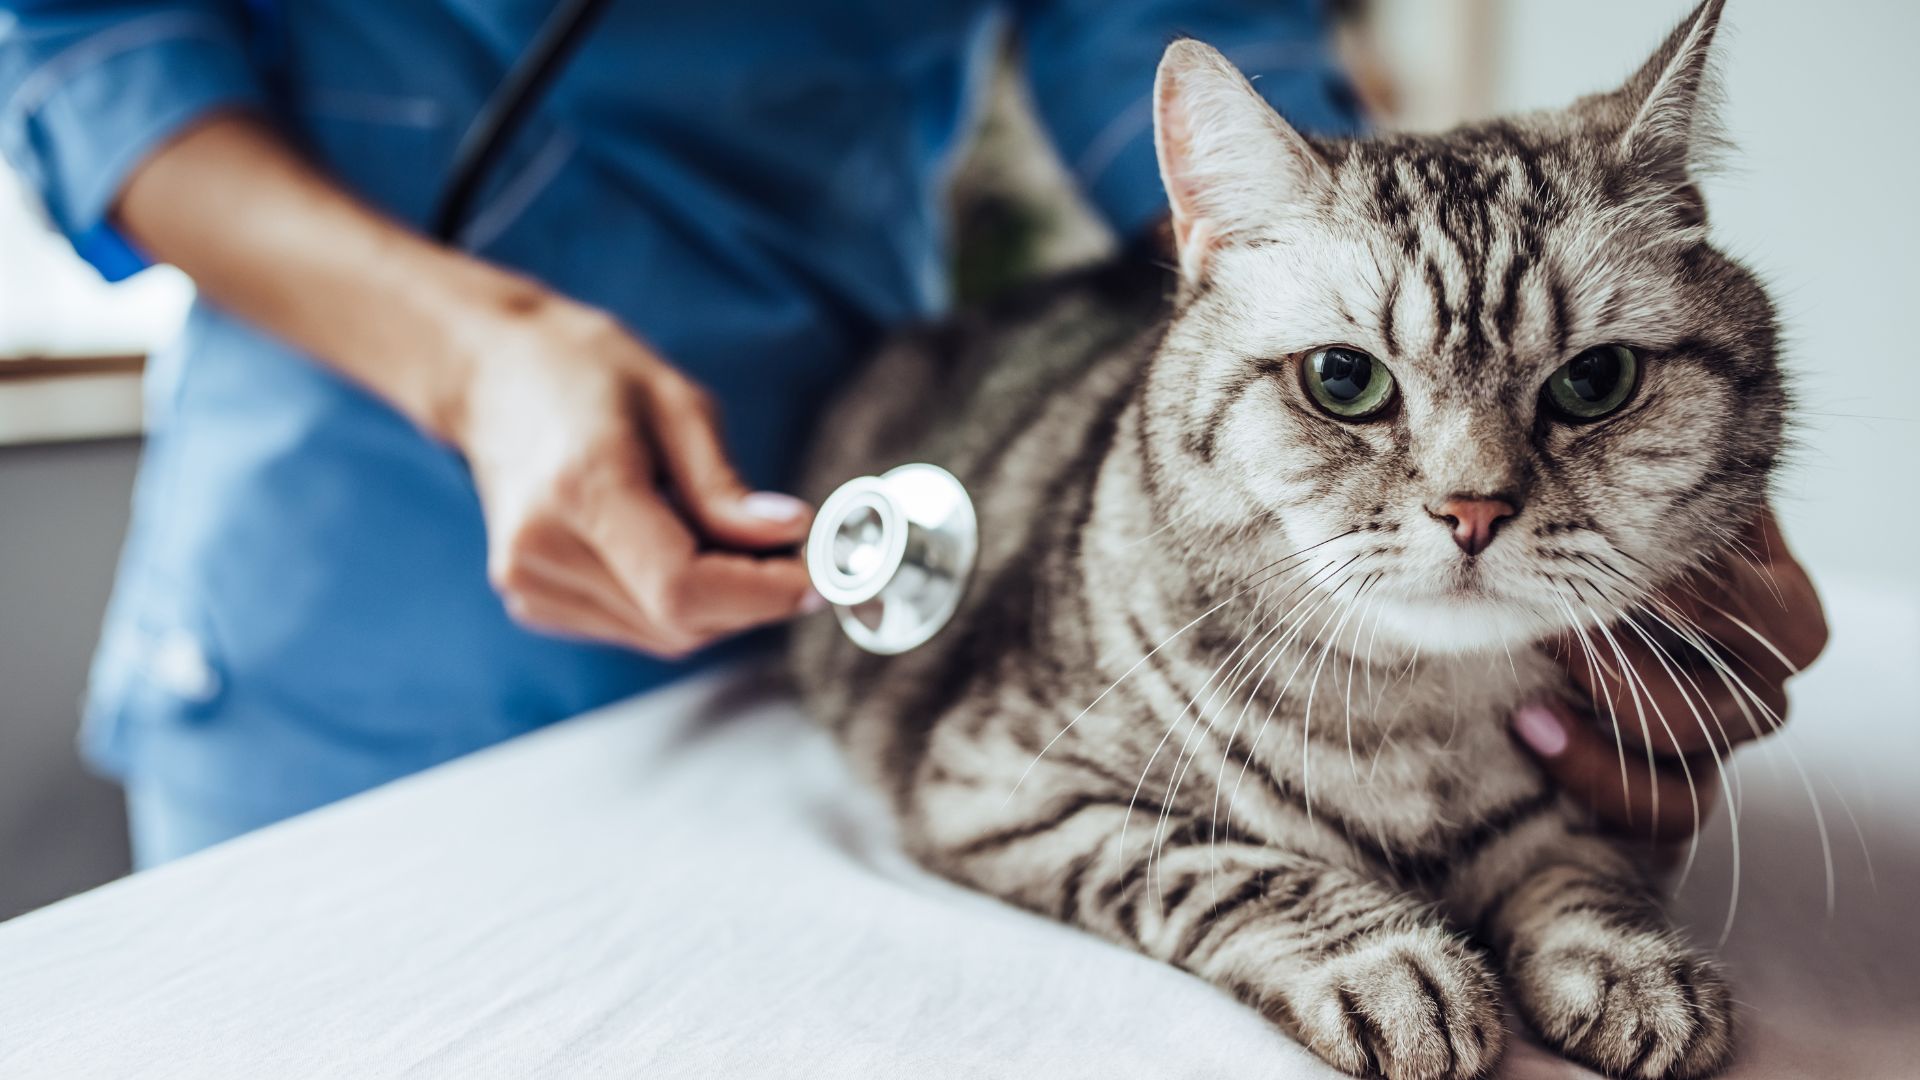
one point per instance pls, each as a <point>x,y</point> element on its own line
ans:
<point>1671,126</point>
<point>1229,162</point>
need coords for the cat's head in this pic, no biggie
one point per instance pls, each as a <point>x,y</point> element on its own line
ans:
<point>1497,375</point>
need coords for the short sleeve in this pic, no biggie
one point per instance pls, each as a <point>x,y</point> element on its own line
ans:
<point>1091,65</point>
<point>90,89</point>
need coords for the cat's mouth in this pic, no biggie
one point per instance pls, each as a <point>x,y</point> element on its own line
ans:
<point>1469,604</point>
<point>1463,617</point>
<point>1467,579</point>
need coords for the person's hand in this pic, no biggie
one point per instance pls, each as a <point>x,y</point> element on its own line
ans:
<point>612,512</point>
<point>1662,711</point>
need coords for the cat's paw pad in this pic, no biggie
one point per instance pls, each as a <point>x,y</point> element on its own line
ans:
<point>1412,1006</point>
<point>1647,1010</point>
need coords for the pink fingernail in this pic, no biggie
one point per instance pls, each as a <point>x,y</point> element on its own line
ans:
<point>812,602</point>
<point>1540,729</point>
<point>772,506</point>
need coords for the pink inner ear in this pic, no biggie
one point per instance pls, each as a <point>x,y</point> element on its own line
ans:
<point>1193,246</point>
<point>1191,235</point>
<point>1176,142</point>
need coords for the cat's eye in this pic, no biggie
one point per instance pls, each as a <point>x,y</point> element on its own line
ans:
<point>1347,382</point>
<point>1595,383</point>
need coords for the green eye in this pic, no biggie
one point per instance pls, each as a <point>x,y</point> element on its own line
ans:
<point>1347,382</point>
<point>1595,383</point>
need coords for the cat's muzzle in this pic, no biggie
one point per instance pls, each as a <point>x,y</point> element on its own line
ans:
<point>892,554</point>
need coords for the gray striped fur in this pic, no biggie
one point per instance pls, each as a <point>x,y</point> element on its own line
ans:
<point>1209,695</point>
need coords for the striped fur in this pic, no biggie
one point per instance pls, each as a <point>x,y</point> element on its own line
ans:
<point>1220,690</point>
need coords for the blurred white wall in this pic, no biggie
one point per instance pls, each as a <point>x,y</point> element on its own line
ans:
<point>1439,57</point>
<point>53,304</point>
<point>1820,197</point>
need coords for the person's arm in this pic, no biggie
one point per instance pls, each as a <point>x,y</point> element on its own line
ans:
<point>1091,67</point>
<point>575,430</point>
<point>129,119</point>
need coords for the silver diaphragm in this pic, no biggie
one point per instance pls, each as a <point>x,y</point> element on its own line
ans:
<point>892,554</point>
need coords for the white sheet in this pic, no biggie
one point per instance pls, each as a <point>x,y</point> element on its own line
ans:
<point>688,885</point>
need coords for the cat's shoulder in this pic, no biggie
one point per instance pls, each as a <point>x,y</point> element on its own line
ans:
<point>1128,288</point>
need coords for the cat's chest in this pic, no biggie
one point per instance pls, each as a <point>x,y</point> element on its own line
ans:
<point>1417,761</point>
<point>1424,787</point>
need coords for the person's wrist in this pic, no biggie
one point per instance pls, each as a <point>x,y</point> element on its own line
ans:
<point>479,324</point>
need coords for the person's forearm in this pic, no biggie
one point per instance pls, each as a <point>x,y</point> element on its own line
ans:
<point>611,508</point>
<point>268,237</point>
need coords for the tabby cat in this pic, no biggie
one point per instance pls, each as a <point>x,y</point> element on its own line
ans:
<point>1269,546</point>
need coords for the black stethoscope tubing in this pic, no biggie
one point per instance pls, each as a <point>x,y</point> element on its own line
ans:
<point>507,109</point>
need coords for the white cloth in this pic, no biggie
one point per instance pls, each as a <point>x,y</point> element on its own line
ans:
<point>690,885</point>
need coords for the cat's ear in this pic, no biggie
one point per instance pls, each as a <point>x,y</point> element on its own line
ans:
<point>1229,162</point>
<point>1671,126</point>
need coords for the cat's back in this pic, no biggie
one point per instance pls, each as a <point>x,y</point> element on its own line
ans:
<point>1014,398</point>
<point>941,392</point>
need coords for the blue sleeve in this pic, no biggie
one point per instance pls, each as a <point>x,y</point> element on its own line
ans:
<point>88,88</point>
<point>1091,65</point>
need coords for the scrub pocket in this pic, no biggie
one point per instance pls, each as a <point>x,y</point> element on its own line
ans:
<point>159,663</point>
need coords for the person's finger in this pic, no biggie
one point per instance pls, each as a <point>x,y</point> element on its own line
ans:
<point>551,581</point>
<point>725,593</point>
<point>688,596</point>
<point>1749,679</point>
<point>1740,628</point>
<point>1802,631</point>
<point>1662,693</point>
<point>686,433</point>
<point>1758,602</point>
<point>537,552</point>
<point>1704,666</point>
<point>1663,801</point>
<point>552,608</point>
<point>644,544</point>
<point>566,560</point>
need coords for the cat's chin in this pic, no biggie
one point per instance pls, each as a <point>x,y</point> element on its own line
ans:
<point>1456,624</point>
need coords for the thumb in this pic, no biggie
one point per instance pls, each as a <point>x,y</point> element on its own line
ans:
<point>686,430</point>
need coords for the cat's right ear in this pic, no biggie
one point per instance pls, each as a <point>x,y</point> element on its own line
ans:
<point>1671,98</point>
<point>1228,160</point>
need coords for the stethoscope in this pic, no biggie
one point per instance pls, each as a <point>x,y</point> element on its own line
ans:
<point>891,553</point>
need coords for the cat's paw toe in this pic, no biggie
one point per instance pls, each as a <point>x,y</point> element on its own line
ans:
<point>1652,1010</point>
<point>1413,1006</point>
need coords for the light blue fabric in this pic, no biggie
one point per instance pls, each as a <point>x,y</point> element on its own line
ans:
<point>165,825</point>
<point>753,185</point>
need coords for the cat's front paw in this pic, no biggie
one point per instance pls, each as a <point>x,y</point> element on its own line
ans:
<point>1418,1005</point>
<point>1648,1008</point>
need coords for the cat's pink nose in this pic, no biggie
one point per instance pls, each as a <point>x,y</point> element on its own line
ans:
<point>1473,519</point>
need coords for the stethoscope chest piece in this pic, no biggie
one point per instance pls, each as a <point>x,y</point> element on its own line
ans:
<point>892,554</point>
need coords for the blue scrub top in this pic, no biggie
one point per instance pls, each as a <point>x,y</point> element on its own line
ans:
<point>754,186</point>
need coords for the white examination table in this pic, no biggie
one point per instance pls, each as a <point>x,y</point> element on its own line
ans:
<point>689,885</point>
